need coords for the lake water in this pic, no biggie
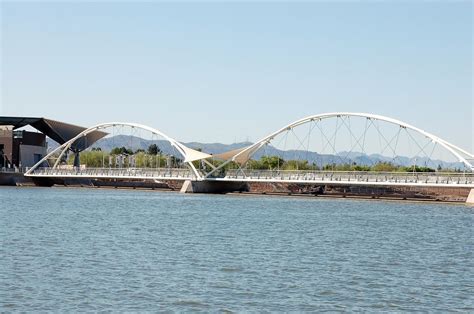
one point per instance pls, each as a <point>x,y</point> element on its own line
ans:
<point>65,249</point>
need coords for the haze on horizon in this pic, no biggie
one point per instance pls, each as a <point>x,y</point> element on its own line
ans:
<point>229,72</point>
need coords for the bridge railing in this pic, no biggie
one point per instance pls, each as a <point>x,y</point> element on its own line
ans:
<point>265,175</point>
<point>355,176</point>
<point>117,172</point>
<point>14,169</point>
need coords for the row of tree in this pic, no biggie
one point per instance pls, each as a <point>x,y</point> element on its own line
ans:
<point>153,149</point>
<point>125,157</point>
<point>277,163</point>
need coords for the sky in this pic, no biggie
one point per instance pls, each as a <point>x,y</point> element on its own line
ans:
<point>236,71</point>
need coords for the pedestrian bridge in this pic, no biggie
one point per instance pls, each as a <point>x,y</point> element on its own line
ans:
<point>464,180</point>
<point>308,151</point>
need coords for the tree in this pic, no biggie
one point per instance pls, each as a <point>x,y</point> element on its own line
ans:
<point>297,165</point>
<point>93,158</point>
<point>329,167</point>
<point>153,149</point>
<point>361,168</point>
<point>384,167</point>
<point>271,162</point>
<point>416,168</point>
<point>121,151</point>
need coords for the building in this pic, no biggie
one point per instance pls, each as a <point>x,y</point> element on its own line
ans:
<point>20,148</point>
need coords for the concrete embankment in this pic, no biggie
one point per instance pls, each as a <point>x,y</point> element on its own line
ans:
<point>400,192</point>
<point>444,194</point>
<point>14,179</point>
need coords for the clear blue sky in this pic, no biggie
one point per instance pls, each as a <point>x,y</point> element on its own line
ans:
<point>223,72</point>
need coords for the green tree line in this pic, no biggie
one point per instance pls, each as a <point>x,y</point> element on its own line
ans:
<point>150,158</point>
<point>277,163</point>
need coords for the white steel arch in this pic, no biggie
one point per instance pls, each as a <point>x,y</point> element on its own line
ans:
<point>453,149</point>
<point>187,153</point>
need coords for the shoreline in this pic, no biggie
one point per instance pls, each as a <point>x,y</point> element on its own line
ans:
<point>265,194</point>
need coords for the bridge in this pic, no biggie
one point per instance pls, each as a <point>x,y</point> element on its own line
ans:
<point>341,148</point>
<point>465,180</point>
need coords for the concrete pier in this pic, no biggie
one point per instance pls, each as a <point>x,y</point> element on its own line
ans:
<point>470,198</point>
<point>213,187</point>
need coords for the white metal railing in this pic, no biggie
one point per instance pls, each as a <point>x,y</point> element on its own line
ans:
<point>151,173</point>
<point>309,176</point>
<point>14,169</point>
<point>354,176</point>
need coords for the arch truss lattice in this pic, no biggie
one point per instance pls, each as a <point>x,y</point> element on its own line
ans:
<point>372,123</point>
<point>188,155</point>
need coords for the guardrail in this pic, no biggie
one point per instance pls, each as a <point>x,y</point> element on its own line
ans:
<point>139,173</point>
<point>342,177</point>
<point>13,170</point>
<point>352,176</point>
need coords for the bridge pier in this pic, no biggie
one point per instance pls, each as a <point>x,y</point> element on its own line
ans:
<point>77,159</point>
<point>216,187</point>
<point>187,185</point>
<point>470,198</point>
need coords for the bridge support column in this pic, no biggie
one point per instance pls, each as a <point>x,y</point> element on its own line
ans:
<point>216,187</point>
<point>187,187</point>
<point>77,159</point>
<point>470,198</point>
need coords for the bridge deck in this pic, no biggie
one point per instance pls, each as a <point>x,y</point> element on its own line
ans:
<point>436,179</point>
<point>353,178</point>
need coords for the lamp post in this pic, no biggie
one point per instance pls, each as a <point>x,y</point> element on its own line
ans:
<point>414,167</point>
<point>19,156</point>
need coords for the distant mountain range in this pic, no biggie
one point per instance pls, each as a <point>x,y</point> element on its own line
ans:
<point>107,144</point>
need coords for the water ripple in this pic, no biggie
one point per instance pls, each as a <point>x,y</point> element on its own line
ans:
<point>67,250</point>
